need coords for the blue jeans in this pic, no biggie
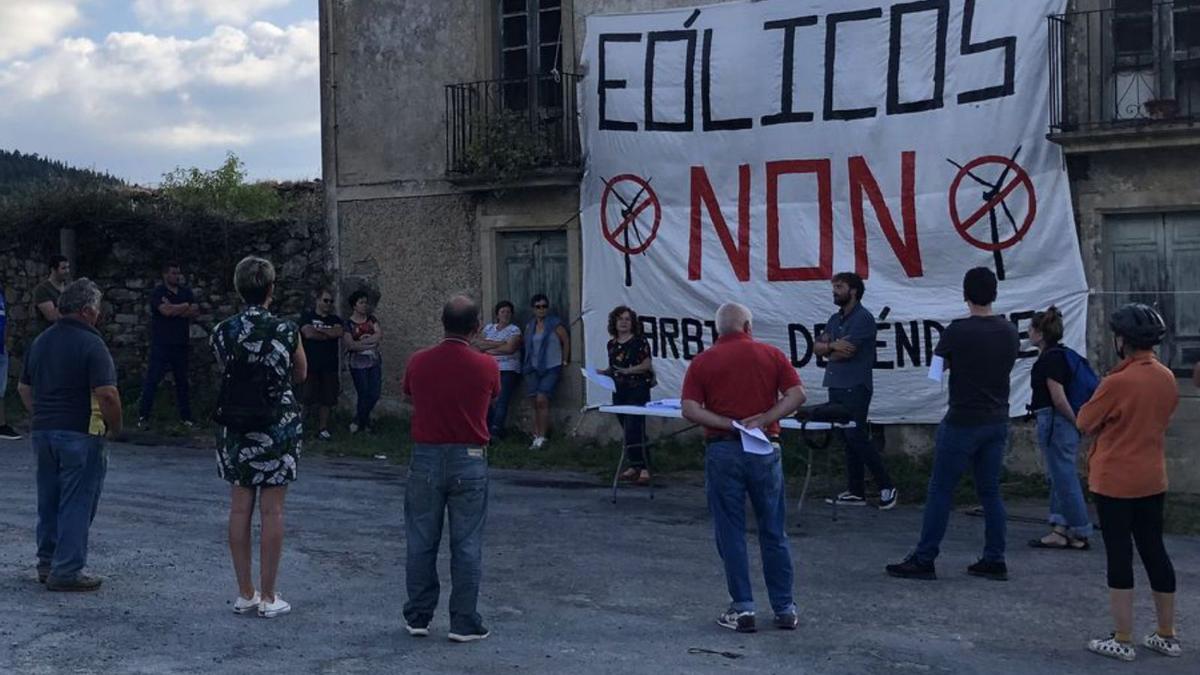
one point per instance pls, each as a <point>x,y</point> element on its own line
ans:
<point>730,474</point>
<point>70,474</point>
<point>441,479</point>
<point>368,385</point>
<point>162,359</point>
<point>1059,440</point>
<point>980,448</point>
<point>861,452</point>
<point>498,412</point>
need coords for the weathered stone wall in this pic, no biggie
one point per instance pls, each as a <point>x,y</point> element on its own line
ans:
<point>297,244</point>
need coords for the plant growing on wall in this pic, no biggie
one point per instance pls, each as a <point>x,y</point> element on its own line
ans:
<point>505,146</point>
<point>222,191</point>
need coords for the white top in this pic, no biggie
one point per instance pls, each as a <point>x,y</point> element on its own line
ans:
<point>510,362</point>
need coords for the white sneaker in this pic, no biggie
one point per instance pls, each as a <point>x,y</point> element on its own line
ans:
<point>416,631</point>
<point>243,606</point>
<point>1112,648</point>
<point>538,442</point>
<point>354,427</point>
<point>1165,646</point>
<point>270,610</point>
<point>888,498</point>
<point>846,499</point>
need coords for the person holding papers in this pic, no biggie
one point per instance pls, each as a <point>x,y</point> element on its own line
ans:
<point>849,343</point>
<point>631,369</point>
<point>739,382</point>
<point>979,351</point>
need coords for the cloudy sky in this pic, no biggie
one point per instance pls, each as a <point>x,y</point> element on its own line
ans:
<point>138,87</point>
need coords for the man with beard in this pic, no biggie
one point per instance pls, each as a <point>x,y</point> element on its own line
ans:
<point>848,342</point>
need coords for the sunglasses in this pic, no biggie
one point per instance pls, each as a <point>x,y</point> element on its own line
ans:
<point>541,306</point>
<point>326,300</point>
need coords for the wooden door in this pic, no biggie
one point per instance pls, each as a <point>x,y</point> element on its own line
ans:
<point>533,262</point>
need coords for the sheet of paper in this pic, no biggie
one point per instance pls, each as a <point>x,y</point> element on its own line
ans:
<point>599,378</point>
<point>754,441</point>
<point>673,403</point>
<point>936,368</point>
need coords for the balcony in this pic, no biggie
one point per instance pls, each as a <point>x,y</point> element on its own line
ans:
<point>513,133</point>
<point>1127,77</point>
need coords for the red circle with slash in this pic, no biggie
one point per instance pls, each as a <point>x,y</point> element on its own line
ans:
<point>1021,179</point>
<point>613,235</point>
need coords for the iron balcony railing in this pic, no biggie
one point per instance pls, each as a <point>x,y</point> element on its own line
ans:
<point>1138,64</point>
<point>506,129</point>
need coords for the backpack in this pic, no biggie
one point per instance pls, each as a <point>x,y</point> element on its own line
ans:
<point>245,401</point>
<point>1083,381</point>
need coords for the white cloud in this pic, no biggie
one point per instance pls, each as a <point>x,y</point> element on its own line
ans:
<point>26,25</point>
<point>156,98</point>
<point>178,12</point>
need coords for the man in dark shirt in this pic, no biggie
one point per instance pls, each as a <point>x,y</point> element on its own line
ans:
<point>321,330</point>
<point>979,352</point>
<point>69,387</point>
<point>45,294</point>
<point>849,344</point>
<point>450,387</point>
<point>172,307</point>
<point>740,381</point>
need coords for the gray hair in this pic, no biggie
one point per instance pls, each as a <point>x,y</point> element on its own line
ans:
<point>253,278</point>
<point>81,293</point>
<point>732,318</point>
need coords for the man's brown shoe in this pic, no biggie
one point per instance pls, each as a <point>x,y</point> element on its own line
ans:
<point>80,584</point>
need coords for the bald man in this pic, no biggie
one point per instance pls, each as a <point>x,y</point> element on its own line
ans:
<point>741,380</point>
<point>450,387</point>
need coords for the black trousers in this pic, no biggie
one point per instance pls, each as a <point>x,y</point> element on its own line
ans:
<point>634,425</point>
<point>1128,522</point>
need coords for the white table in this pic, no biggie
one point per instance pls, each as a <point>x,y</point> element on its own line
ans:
<point>677,413</point>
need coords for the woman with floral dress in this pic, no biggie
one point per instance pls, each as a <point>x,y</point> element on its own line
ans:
<point>259,460</point>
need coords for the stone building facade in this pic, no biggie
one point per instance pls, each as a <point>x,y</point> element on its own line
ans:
<point>414,209</point>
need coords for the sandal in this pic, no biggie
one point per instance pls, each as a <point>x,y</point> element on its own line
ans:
<point>629,474</point>
<point>643,478</point>
<point>1062,542</point>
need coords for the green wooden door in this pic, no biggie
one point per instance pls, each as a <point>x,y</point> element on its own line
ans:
<point>530,263</point>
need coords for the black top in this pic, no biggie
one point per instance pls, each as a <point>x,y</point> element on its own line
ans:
<point>1051,365</point>
<point>170,330</point>
<point>322,354</point>
<point>64,364</point>
<point>980,352</point>
<point>633,352</point>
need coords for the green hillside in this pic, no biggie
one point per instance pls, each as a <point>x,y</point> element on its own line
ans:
<point>21,174</point>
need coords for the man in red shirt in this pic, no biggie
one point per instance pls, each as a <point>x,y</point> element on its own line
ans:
<point>450,387</point>
<point>742,381</point>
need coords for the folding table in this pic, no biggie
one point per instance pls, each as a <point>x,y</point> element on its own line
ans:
<point>657,409</point>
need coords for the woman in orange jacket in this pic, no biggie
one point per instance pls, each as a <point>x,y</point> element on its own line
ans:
<point>1128,416</point>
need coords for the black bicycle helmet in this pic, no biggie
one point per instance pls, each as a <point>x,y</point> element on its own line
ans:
<point>1141,325</point>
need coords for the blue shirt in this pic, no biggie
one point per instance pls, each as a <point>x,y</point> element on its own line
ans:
<point>64,364</point>
<point>170,330</point>
<point>3,319</point>
<point>859,328</point>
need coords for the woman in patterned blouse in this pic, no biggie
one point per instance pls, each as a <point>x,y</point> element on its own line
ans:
<point>259,463</point>
<point>630,366</point>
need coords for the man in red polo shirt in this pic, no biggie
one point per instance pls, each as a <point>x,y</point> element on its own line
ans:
<point>740,380</point>
<point>450,387</point>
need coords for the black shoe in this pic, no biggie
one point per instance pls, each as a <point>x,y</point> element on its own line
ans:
<point>787,621</point>
<point>417,629</point>
<point>9,434</point>
<point>479,633</point>
<point>996,571</point>
<point>742,622</point>
<point>42,574</point>
<point>80,584</point>
<point>911,568</point>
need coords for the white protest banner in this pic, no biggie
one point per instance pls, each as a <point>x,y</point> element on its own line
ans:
<point>749,151</point>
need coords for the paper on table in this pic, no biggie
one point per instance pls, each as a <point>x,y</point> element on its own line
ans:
<point>936,368</point>
<point>672,403</point>
<point>754,441</point>
<point>599,378</point>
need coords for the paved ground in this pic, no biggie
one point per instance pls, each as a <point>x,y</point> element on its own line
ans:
<point>572,584</point>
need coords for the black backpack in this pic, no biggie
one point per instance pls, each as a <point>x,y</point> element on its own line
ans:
<point>246,402</point>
